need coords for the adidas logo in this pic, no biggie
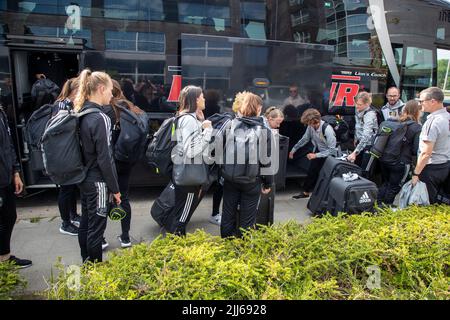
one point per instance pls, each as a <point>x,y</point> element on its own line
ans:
<point>365,198</point>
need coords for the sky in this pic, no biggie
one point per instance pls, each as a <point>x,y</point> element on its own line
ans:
<point>443,54</point>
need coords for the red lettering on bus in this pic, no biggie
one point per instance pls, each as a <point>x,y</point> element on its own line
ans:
<point>175,89</point>
<point>333,90</point>
<point>345,92</point>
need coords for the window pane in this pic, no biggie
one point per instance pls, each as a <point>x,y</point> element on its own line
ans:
<point>204,14</point>
<point>134,9</point>
<point>418,71</point>
<point>443,71</point>
<point>123,41</point>
<point>54,6</point>
<point>281,63</point>
<point>135,41</point>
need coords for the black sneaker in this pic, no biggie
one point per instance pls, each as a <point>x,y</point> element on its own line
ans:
<point>68,229</point>
<point>301,196</point>
<point>76,219</point>
<point>20,263</point>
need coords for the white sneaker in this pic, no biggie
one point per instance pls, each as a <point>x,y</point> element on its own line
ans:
<point>105,244</point>
<point>217,219</point>
<point>124,243</point>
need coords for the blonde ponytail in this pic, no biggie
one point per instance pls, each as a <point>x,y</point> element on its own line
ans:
<point>88,83</point>
<point>83,90</point>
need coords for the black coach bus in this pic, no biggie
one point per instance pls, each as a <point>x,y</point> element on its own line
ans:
<point>330,49</point>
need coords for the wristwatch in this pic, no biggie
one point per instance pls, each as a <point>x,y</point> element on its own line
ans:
<point>415,174</point>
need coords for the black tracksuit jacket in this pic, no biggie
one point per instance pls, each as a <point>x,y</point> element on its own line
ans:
<point>95,134</point>
<point>8,158</point>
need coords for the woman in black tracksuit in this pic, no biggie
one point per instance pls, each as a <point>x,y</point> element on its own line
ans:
<point>123,168</point>
<point>10,186</point>
<point>243,191</point>
<point>193,136</point>
<point>394,174</point>
<point>67,197</point>
<point>101,178</point>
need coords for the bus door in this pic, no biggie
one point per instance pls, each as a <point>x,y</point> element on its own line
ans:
<point>28,62</point>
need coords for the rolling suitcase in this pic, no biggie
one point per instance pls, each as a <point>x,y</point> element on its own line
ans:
<point>266,206</point>
<point>332,167</point>
<point>351,197</point>
<point>280,176</point>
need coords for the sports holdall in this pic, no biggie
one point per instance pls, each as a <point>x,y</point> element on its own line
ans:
<point>332,167</point>
<point>351,197</point>
<point>162,206</point>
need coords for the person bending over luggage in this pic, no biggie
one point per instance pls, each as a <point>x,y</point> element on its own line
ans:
<point>123,168</point>
<point>67,196</point>
<point>274,117</point>
<point>101,178</point>
<point>10,186</point>
<point>433,162</point>
<point>193,137</point>
<point>366,126</point>
<point>323,138</point>
<point>243,170</point>
<point>395,171</point>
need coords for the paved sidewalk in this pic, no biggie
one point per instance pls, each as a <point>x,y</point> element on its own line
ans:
<point>36,235</point>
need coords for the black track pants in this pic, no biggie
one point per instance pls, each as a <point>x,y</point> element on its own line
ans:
<point>67,202</point>
<point>8,218</point>
<point>94,204</point>
<point>186,201</point>
<point>123,176</point>
<point>247,196</point>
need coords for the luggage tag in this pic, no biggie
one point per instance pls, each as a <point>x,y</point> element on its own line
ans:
<point>350,177</point>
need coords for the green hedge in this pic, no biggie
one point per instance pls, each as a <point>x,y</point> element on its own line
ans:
<point>10,281</point>
<point>326,259</point>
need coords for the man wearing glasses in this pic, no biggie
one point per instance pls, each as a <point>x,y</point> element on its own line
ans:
<point>393,108</point>
<point>433,161</point>
<point>294,98</point>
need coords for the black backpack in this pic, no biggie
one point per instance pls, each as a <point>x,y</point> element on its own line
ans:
<point>61,147</point>
<point>340,127</point>
<point>131,141</point>
<point>377,113</point>
<point>220,120</point>
<point>34,130</point>
<point>44,91</point>
<point>242,147</point>
<point>159,151</point>
<point>390,141</point>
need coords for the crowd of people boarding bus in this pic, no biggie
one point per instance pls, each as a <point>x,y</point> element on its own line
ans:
<point>425,156</point>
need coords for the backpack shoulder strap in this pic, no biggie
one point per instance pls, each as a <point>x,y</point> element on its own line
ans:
<point>88,111</point>
<point>324,128</point>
